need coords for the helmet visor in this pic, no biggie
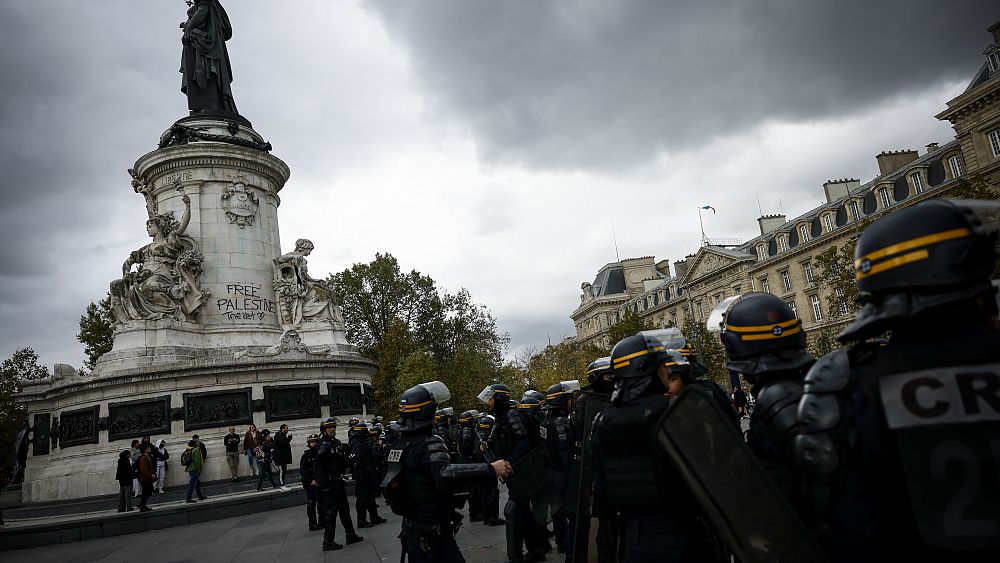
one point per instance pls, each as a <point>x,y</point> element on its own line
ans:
<point>486,394</point>
<point>569,386</point>
<point>663,338</point>
<point>438,391</point>
<point>717,318</point>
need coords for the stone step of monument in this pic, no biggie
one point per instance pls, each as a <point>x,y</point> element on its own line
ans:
<point>23,533</point>
<point>110,502</point>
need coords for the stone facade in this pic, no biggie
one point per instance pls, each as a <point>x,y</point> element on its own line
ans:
<point>781,260</point>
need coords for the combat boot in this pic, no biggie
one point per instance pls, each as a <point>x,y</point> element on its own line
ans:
<point>311,514</point>
<point>331,546</point>
<point>354,538</point>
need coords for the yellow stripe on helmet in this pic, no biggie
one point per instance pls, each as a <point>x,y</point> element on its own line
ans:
<point>925,240</point>
<point>771,335</point>
<point>760,328</point>
<point>413,407</point>
<point>896,262</point>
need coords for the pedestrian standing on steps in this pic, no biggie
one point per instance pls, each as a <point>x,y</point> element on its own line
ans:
<point>195,463</point>
<point>147,476</point>
<point>251,441</point>
<point>282,452</point>
<point>161,455</point>
<point>232,443</point>
<point>265,454</point>
<point>124,477</point>
<point>134,454</point>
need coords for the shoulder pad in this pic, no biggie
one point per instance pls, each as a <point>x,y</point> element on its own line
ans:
<point>437,451</point>
<point>564,428</point>
<point>516,420</point>
<point>324,448</point>
<point>777,409</point>
<point>829,374</point>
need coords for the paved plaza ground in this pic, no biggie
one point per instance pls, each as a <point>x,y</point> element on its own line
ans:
<point>280,535</point>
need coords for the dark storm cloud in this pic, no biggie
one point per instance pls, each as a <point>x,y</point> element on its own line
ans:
<point>593,84</point>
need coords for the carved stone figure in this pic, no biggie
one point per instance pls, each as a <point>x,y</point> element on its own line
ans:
<point>20,453</point>
<point>298,297</point>
<point>206,73</point>
<point>165,281</point>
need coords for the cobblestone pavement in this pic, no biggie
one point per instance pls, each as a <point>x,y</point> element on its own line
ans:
<point>281,535</point>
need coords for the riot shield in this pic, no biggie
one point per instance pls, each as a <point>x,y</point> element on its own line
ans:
<point>579,492</point>
<point>531,477</point>
<point>732,488</point>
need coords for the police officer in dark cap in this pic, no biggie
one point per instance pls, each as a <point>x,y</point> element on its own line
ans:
<point>421,481</point>
<point>512,440</point>
<point>328,470</point>
<point>901,437</point>
<point>365,471</point>
<point>660,517</point>
<point>766,343</point>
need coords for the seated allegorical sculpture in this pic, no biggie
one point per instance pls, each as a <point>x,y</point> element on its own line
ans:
<point>164,283</point>
<point>298,298</point>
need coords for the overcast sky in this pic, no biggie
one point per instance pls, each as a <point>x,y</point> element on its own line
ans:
<point>485,143</point>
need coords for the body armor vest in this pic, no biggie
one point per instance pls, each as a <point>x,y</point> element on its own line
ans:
<point>626,448</point>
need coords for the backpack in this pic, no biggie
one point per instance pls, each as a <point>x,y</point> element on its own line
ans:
<point>187,457</point>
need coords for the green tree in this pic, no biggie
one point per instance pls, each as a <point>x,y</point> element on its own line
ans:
<point>21,366</point>
<point>629,324</point>
<point>417,333</point>
<point>974,186</point>
<point>711,354</point>
<point>96,331</point>
<point>565,361</point>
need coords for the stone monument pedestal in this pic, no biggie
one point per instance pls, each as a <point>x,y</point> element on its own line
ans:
<point>215,327</point>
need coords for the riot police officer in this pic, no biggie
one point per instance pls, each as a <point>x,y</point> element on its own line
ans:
<point>588,409</point>
<point>557,435</point>
<point>328,470</point>
<point>365,463</point>
<point>660,518</point>
<point>444,426</point>
<point>897,435</point>
<point>468,445</point>
<point>421,481</point>
<point>489,490</point>
<point>306,463</point>
<point>765,342</point>
<point>512,440</point>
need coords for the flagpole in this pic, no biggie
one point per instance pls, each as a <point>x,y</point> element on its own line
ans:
<point>702,225</point>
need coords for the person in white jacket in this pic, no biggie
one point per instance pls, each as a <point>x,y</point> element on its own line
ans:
<point>161,456</point>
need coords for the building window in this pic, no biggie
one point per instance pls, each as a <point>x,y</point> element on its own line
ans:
<point>993,59</point>
<point>855,210</point>
<point>843,302</point>
<point>995,141</point>
<point>791,305</point>
<point>828,223</point>
<point>782,243</point>
<point>883,194</point>
<point>701,309</point>
<point>673,291</point>
<point>803,233</point>
<point>807,269</point>
<point>673,319</point>
<point>786,281</point>
<point>761,252</point>
<point>816,307</point>
<point>955,163</point>
<point>918,182</point>
<point>764,285</point>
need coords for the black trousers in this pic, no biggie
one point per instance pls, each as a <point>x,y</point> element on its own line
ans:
<point>522,530</point>
<point>364,500</point>
<point>335,502</point>
<point>147,491</point>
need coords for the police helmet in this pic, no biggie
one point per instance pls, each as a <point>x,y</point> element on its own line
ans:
<point>598,375</point>
<point>486,422</point>
<point>312,440</point>
<point>560,393</point>
<point>327,423</point>
<point>537,395</point>
<point>931,254</point>
<point>499,392</point>
<point>529,404</point>
<point>761,334</point>
<point>635,359</point>
<point>418,404</point>
<point>353,420</point>
<point>468,418</point>
<point>358,431</point>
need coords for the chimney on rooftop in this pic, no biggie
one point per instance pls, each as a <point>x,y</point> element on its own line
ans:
<point>995,30</point>
<point>836,189</point>
<point>931,147</point>
<point>890,161</point>
<point>769,223</point>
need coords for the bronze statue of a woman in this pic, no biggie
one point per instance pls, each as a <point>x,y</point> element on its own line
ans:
<point>206,73</point>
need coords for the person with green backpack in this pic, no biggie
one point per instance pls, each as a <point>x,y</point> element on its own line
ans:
<point>193,462</point>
